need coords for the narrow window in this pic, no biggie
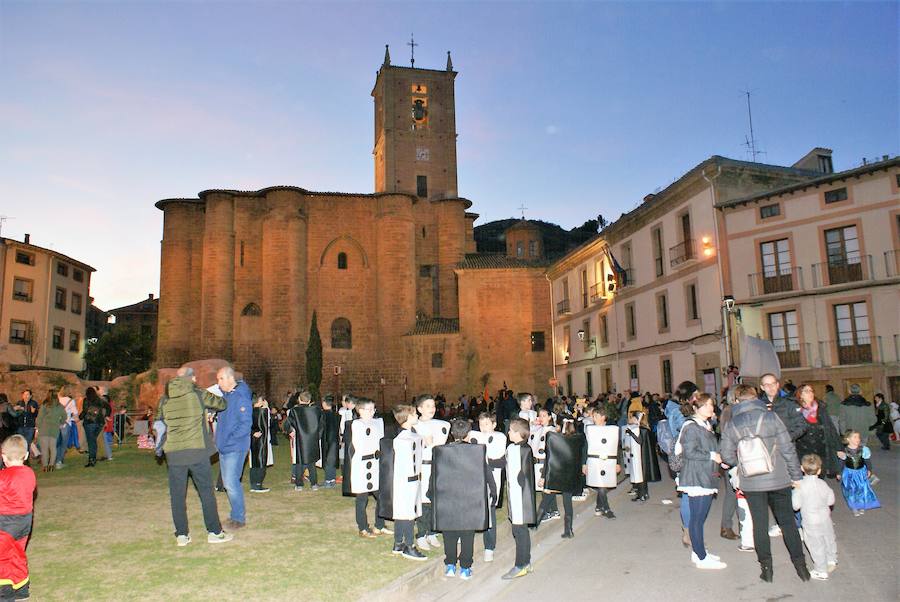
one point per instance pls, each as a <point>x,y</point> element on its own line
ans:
<point>630,324</point>
<point>342,261</point>
<point>667,376</point>
<point>59,334</point>
<point>437,360</point>
<point>422,186</point>
<point>60,300</point>
<point>537,341</point>
<point>693,311</point>
<point>242,253</point>
<point>76,303</point>
<point>74,341</point>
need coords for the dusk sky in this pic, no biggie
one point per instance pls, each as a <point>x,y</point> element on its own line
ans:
<point>572,109</point>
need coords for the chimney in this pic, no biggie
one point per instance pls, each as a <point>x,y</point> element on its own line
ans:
<point>28,239</point>
<point>150,297</point>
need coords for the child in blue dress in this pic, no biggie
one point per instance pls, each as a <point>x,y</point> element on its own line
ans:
<point>855,477</point>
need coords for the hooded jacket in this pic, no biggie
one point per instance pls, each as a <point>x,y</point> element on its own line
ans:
<point>182,409</point>
<point>233,424</point>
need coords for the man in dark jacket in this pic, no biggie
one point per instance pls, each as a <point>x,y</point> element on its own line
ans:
<point>188,445</point>
<point>786,408</point>
<point>749,419</point>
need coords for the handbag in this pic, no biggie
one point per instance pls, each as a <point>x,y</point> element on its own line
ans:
<point>34,451</point>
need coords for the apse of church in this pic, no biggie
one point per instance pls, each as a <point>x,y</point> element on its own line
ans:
<point>243,271</point>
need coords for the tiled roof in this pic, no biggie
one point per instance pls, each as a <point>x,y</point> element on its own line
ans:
<point>436,326</point>
<point>497,261</point>
<point>823,179</point>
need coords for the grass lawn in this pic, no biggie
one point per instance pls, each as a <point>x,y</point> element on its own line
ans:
<point>106,533</point>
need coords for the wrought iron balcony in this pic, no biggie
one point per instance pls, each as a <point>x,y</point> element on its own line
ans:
<point>682,252</point>
<point>842,271</point>
<point>562,308</point>
<point>788,279</point>
<point>597,292</point>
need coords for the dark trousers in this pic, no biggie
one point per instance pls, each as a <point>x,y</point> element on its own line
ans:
<point>700,505</point>
<point>548,503</point>
<point>257,476</point>
<point>642,488</point>
<point>885,439</point>
<point>90,433</point>
<point>423,523</point>
<point>523,545</point>
<point>780,503</point>
<point>403,532</point>
<point>362,521</point>
<point>489,537</point>
<point>729,502</point>
<point>466,542</point>
<point>297,471</point>
<point>201,474</point>
<point>602,499</point>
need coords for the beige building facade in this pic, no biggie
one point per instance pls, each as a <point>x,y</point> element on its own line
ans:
<point>815,269</point>
<point>44,299</point>
<point>639,308</point>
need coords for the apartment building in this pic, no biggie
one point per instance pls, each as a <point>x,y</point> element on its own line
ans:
<point>814,267</point>
<point>640,307</point>
<point>44,298</point>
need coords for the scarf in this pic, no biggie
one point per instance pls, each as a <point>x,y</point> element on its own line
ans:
<point>811,413</point>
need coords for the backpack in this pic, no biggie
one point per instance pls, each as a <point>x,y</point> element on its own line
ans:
<point>676,458</point>
<point>754,458</point>
<point>664,437</point>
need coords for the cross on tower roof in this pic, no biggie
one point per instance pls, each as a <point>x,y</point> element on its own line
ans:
<point>412,47</point>
<point>522,208</point>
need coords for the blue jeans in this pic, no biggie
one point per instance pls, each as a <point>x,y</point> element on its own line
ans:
<point>28,433</point>
<point>62,442</point>
<point>685,511</point>
<point>699,506</point>
<point>90,433</point>
<point>231,465</point>
<point>330,472</point>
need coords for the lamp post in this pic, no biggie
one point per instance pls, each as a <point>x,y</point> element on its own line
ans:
<point>727,308</point>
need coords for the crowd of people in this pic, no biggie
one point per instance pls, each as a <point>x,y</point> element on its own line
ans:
<point>760,452</point>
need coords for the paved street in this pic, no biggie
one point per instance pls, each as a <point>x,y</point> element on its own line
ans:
<point>640,556</point>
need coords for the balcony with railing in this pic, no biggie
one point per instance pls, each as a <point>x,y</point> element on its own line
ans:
<point>563,308</point>
<point>682,253</point>
<point>628,278</point>
<point>892,263</point>
<point>842,271</point>
<point>597,292</point>
<point>788,355</point>
<point>854,350</point>
<point>789,278</point>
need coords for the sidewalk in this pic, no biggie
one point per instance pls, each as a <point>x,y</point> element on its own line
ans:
<point>639,555</point>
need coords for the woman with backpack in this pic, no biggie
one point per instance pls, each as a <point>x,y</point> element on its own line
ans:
<point>757,442</point>
<point>697,449</point>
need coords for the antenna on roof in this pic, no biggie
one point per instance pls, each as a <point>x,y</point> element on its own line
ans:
<point>3,218</point>
<point>750,142</point>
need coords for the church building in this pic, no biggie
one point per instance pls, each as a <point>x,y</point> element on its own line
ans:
<point>403,301</point>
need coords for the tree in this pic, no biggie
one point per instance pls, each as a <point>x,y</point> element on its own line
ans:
<point>601,222</point>
<point>314,358</point>
<point>33,346</point>
<point>120,351</point>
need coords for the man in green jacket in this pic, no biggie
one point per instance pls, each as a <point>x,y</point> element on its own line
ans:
<point>188,446</point>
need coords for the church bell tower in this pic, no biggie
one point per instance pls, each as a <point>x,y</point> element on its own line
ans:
<point>415,130</point>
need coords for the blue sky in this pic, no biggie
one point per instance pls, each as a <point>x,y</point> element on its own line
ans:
<point>572,109</point>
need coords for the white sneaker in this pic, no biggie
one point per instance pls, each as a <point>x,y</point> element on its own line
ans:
<point>695,559</point>
<point>820,575</point>
<point>183,540</point>
<point>433,541</point>
<point>422,542</point>
<point>710,563</point>
<point>489,555</point>
<point>832,566</point>
<point>220,537</point>
<point>774,531</point>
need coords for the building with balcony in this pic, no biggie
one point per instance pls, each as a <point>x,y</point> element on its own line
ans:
<point>44,298</point>
<point>814,267</point>
<point>639,307</point>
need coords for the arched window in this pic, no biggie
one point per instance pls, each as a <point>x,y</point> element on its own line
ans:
<point>341,337</point>
<point>251,309</point>
<point>342,261</point>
